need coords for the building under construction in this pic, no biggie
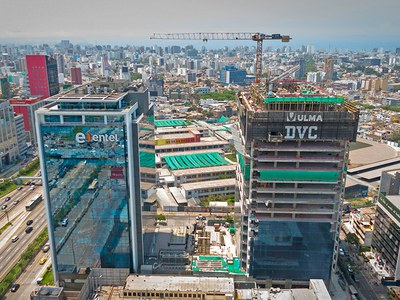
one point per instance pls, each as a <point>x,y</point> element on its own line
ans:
<point>292,151</point>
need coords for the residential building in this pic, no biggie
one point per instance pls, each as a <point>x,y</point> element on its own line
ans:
<point>76,75</point>
<point>328,68</point>
<point>231,74</point>
<point>9,151</point>
<point>362,222</point>
<point>292,155</point>
<point>90,149</point>
<point>27,108</point>
<point>5,88</point>
<point>20,131</point>
<point>43,75</point>
<point>386,235</point>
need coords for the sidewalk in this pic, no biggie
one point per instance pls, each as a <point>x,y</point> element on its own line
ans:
<point>336,291</point>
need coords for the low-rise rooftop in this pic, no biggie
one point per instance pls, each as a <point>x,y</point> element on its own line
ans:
<point>180,283</point>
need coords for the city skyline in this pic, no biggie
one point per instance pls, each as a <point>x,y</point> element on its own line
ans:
<point>342,25</point>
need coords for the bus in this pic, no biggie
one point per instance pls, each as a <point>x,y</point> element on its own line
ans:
<point>353,290</point>
<point>33,202</point>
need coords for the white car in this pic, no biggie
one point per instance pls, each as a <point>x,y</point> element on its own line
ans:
<point>341,252</point>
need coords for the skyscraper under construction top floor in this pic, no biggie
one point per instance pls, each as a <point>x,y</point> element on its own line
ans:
<point>293,151</point>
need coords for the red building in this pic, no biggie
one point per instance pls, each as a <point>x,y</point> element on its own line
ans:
<point>43,75</point>
<point>27,108</point>
<point>76,75</point>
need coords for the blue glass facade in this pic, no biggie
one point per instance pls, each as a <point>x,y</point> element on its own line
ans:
<point>92,171</point>
<point>296,250</point>
<point>89,189</point>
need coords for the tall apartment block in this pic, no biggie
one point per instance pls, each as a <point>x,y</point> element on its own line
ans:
<point>386,235</point>
<point>43,75</point>
<point>9,151</point>
<point>76,75</point>
<point>292,153</point>
<point>92,149</point>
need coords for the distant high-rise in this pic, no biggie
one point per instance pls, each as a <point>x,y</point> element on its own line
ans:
<point>9,150</point>
<point>5,88</point>
<point>76,75</point>
<point>43,75</point>
<point>328,68</point>
<point>60,63</point>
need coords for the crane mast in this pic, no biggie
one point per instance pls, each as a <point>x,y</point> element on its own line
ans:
<point>206,36</point>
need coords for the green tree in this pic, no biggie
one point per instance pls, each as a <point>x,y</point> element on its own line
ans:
<point>161,217</point>
<point>352,238</point>
<point>136,76</point>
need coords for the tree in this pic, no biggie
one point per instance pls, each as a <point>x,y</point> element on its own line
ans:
<point>352,238</point>
<point>136,76</point>
<point>161,217</point>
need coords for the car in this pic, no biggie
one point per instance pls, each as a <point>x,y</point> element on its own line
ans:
<point>15,238</point>
<point>349,268</point>
<point>29,222</point>
<point>29,229</point>
<point>341,252</point>
<point>20,188</point>
<point>15,202</point>
<point>15,287</point>
<point>42,261</point>
<point>4,207</point>
<point>7,199</point>
<point>64,222</point>
<point>32,188</point>
<point>46,247</point>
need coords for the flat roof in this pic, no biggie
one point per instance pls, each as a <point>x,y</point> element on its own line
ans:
<point>395,199</point>
<point>163,130</point>
<point>223,168</point>
<point>378,172</point>
<point>176,193</point>
<point>208,184</point>
<point>180,283</point>
<point>174,136</point>
<point>207,143</point>
<point>305,99</point>
<point>373,165</point>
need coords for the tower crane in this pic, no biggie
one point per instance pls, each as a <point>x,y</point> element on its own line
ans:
<point>206,36</point>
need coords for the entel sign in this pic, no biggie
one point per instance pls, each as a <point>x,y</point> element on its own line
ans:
<point>81,138</point>
<point>301,132</point>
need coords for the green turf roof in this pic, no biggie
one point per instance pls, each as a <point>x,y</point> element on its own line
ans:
<point>200,160</point>
<point>305,99</point>
<point>170,123</point>
<point>147,159</point>
<point>233,268</point>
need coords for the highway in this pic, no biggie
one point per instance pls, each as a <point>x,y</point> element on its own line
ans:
<point>27,280</point>
<point>11,252</point>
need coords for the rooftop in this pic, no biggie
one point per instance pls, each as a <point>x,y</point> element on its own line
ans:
<point>180,283</point>
<point>293,97</point>
<point>195,161</point>
<point>209,184</point>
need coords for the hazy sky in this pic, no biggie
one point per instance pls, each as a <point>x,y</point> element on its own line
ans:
<point>370,23</point>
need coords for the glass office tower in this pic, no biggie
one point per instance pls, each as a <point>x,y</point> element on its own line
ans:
<point>89,148</point>
<point>293,152</point>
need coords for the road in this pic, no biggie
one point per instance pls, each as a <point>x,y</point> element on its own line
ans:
<point>28,278</point>
<point>10,252</point>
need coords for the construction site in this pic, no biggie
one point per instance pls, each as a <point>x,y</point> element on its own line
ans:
<point>293,142</point>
